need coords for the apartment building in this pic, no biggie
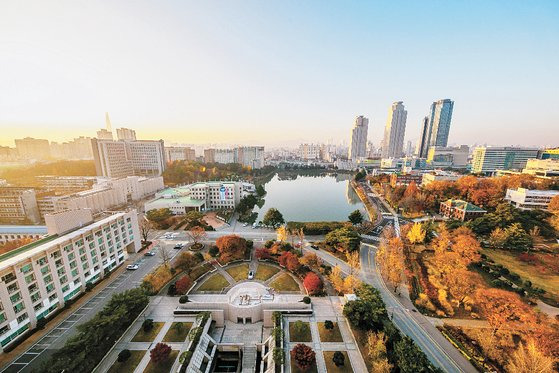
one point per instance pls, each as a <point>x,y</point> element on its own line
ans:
<point>442,156</point>
<point>310,151</point>
<point>542,167</point>
<point>39,278</point>
<point>18,205</point>
<point>78,148</point>
<point>66,184</point>
<point>488,159</point>
<point>248,156</point>
<point>529,199</point>
<point>30,148</point>
<point>179,153</point>
<point>126,158</point>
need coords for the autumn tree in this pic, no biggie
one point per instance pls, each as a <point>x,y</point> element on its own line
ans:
<point>416,234</point>
<point>353,261</point>
<point>376,352</point>
<point>313,283</point>
<point>498,238</point>
<point>160,353</point>
<point>303,356</point>
<point>231,247</point>
<point>356,217</point>
<point>165,255</point>
<point>282,233</point>
<point>467,247</point>
<point>183,284</point>
<point>527,359</point>
<point>336,279</point>
<point>289,260</point>
<point>462,284</point>
<point>390,258</point>
<point>350,284</point>
<point>553,206</point>
<point>311,260</point>
<point>146,227</point>
<point>197,234</point>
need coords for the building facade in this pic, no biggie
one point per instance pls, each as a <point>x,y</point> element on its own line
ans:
<point>488,159</point>
<point>39,278</point>
<point>18,205</point>
<point>441,156</point>
<point>358,142</point>
<point>528,199</point>
<point>394,132</point>
<point>179,153</point>
<point>30,148</point>
<point>66,184</point>
<point>460,210</point>
<point>435,128</point>
<point>542,167</point>
<point>125,134</point>
<point>551,153</point>
<point>439,175</point>
<point>19,232</point>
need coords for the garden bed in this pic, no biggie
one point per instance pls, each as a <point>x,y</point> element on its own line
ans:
<point>215,282</point>
<point>326,335</point>
<point>285,283</point>
<point>265,272</point>
<point>164,366</point>
<point>332,368</point>
<point>238,272</point>
<point>173,335</point>
<point>300,335</point>
<point>130,364</point>
<point>149,336</point>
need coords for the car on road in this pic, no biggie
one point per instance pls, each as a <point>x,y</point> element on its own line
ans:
<point>178,246</point>
<point>150,253</point>
<point>132,267</point>
<point>245,224</point>
<point>250,275</point>
<point>314,247</point>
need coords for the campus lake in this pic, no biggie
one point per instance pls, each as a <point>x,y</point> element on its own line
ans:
<point>324,197</point>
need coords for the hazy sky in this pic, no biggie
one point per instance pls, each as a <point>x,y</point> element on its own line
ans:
<point>275,72</point>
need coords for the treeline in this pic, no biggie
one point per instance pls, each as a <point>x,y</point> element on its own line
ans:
<point>317,227</point>
<point>26,175</point>
<point>186,172</point>
<point>96,337</point>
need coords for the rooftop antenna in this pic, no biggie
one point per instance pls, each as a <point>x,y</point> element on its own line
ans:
<point>108,122</point>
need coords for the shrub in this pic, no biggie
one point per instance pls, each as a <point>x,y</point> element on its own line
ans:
<point>303,356</point>
<point>338,358</point>
<point>183,284</point>
<point>160,352</point>
<point>185,357</point>
<point>307,300</point>
<point>183,299</point>
<point>123,356</point>
<point>278,355</point>
<point>147,325</point>
<point>172,290</point>
<point>328,324</point>
<point>213,251</point>
<point>269,243</point>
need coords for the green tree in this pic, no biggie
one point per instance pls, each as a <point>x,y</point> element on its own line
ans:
<point>410,358</point>
<point>338,358</point>
<point>159,215</point>
<point>345,238</point>
<point>356,217</point>
<point>517,238</point>
<point>260,191</point>
<point>273,218</point>
<point>365,314</point>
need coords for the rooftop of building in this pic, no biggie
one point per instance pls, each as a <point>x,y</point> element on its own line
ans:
<point>535,191</point>
<point>185,201</point>
<point>21,253</point>
<point>463,205</point>
<point>23,229</point>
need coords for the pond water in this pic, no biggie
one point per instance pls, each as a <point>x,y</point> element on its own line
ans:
<point>324,197</point>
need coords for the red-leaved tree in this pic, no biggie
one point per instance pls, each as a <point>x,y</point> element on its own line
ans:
<point>231,247</point>
<point>303,356</point>
<point>313,283</point>
<point>289,261</point>
<point>263,253</point>
<point>183,284</point>
<point>160,352</point>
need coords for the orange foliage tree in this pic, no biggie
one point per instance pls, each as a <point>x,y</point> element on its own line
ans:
<point>231,247</point>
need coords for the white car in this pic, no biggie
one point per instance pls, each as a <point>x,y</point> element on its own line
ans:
<point>132,267</point>
<point>250,275</point>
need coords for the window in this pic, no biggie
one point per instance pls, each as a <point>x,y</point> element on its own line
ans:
<point>56,254</point>
<point>13,287</point>
<point>47,279</point>
<point>2,317</point>
<point>71,256</point>
<point>42,261</point>
<point>16,297</point>
<point>65,288</point>
<point>35,297</point>
<point>22,317</point>
<point>9,277</point>
<point>50,288</point>
<point>45,269</point>
<point>63,279</point>
<point>19,307</point>
<point>37,307</point>
<point>29,278</point>
<point>26,268</point>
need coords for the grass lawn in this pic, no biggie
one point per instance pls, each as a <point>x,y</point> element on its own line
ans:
<point>216,282</point>
<point>163,367</point>
<point>361,339</point>
<point>294,368</point>
<point>264,272</point>
<point>174,336</point>
<point>238,272</point>
<point>285,283</point>
<point>547,281</point>
<point>326,335</point>
<point>129,365</point>
<point>303,335</point>
<point>142,336</point>
<point>199,271</point>
<point>332,368</point>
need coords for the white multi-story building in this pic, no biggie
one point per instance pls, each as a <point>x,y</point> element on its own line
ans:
<point>439,175</point>
<point>542,167</point>
<point>66,184</point>
<point>125,134</point>
<point>78,148</point>
<point>488,159</point>
<point>358,144</point>
<point>30,148</point>
<point>179,153</point>
<point>104,195</point>
<point>201,196</point>
<point>393,143</point>
<point>311,151</point>
<point>528,199</point>
<point>18,205</point>
<point>225,156</point>
<point>19,232</point>
<point>440,156</point>
<point>126,158</point>
<point>250,156</point>
<point>39,278</point>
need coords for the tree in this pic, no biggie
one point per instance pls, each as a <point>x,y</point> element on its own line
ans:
<point>467,247</point>
<point>282,233</point>
<point>336,279</point>
<point>553,206</point>
<point>146,227</point>
<point>183,284</point>
<point>231,247</point>
<point>313,283</point>
<point>311,260</point>
<point>185,261</point>
<point>338,358</point>
<point>527,359</point>
<point>303,356</point>
<point>165,255</point>
<point>390,257</point>
<point>498,238</point>
<point>410,358</point>
<point>273,218</point>
<point>376,347</point>
<point>123,355</point>
<point>260,191</point>
<point>329,325</point>
<point>343,239</point>
<point>416,234</point>
<point>356,217</point>
<point>160,352</point>
<point>365,314</point>
<point>158,215</point>
<point>289,261</point>
<point>183,299</point>
<point>350,284</point>
<point>462,284</point>
<point>263,253</point>
<point>197,234</point>
<point>147,325</point>
<point>517,238</point>
<point>353,261</point>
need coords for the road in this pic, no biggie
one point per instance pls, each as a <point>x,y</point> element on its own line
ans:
<point>59,334</point>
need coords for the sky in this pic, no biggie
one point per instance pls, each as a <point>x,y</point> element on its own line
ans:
<point>278,72</point>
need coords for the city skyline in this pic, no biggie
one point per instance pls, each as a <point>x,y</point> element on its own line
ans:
<point>184,80</point>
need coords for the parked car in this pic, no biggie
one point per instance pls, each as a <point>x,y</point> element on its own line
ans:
<point>178,246</point>
<point>132,267</point>
<point>250,275</point>
<point>314,247</point>
<point>245,224</point>
<point>150,253</point>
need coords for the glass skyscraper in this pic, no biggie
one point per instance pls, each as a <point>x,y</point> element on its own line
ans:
<point>436,127</point>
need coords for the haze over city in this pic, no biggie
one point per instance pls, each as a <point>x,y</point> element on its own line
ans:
<point>278,73</point>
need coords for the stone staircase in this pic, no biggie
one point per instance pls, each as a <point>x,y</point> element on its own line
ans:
<point>249,359</point>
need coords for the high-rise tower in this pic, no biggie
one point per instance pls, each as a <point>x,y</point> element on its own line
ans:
<point>393,144</point>
<point>358,145</point>
<point>435,128</point>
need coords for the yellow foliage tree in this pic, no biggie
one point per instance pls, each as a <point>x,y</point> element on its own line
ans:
<point>336,279</point>
<point>527,359</point>
<point>282,233</point>
<point>416,234</point>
